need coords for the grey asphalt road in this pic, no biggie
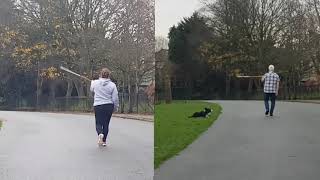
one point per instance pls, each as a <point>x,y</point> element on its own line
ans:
<point>48,146</point>
<point>243,144</point>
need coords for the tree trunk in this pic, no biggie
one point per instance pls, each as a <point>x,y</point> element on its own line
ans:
<point>257,83</point>
<point>38,92</point>
<point>69,89</point>
<point>52,90</point>
<point>167,83</point>
<point>79,86</point>
<point>284,89</point>
<point>122,96</point>
<point>238,90</point>
<point>190,87</point>
<point>294,86</point>
<point>250,86</point>
<point>129,96</point>
<point>228,81</point>
<point>69,92</point>
<point>289,87</point>
<point>89,93</point>
<point>137,91</point>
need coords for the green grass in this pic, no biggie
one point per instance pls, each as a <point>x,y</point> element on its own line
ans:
<point>0,123</point>
<point>174,131</point>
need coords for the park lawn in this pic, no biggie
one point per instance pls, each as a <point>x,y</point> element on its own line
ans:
<point>174,131</point>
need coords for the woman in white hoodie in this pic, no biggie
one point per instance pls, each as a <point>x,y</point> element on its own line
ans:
<point>106,102</point>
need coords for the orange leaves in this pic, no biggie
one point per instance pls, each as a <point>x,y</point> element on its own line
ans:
<point>28,56</point>
<point>39,46</point>
<point>22,57</point>
<point>21,51</point>
<point>50,73</point>
<point>72,52</point>
<point>10,37</point>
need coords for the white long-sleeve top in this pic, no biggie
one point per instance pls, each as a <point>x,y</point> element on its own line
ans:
<point>105,92</point>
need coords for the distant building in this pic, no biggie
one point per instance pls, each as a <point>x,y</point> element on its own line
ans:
<point>146,82</point>
<point>311,77</point>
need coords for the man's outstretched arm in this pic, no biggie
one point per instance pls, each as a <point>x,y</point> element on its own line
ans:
<point>263,77</point>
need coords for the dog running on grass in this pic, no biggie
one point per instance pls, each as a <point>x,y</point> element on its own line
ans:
<point>204,113</point>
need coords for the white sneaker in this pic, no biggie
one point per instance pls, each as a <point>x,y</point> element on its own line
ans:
<point>100,141</point>
<point>104,144</point>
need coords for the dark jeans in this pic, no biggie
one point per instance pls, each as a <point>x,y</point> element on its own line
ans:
<point>272,97</point>
<point>103,115</point>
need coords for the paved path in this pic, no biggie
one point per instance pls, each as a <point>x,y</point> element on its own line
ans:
<point>245,145</point>
<point>38,146</point>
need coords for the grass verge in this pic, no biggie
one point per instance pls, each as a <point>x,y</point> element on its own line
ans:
<point>174,131</point>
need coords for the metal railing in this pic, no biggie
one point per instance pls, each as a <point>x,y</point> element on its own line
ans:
<point>285,93</point>
<point>139,104</point>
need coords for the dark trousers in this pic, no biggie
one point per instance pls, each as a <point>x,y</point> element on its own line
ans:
<point>103,115</point>
<point>272,97</point>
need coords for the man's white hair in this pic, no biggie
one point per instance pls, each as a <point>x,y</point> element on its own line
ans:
<point>271,68</point>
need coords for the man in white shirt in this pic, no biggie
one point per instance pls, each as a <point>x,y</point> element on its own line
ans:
<point>271,88</point>
<point>106,101</point>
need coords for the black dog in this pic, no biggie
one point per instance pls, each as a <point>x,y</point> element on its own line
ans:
<point>205,113</point>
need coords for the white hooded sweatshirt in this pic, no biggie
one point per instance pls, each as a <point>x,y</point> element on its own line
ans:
<point>105,92</point>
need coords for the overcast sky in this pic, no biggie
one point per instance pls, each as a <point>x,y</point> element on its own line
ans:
<point>170,12</point>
